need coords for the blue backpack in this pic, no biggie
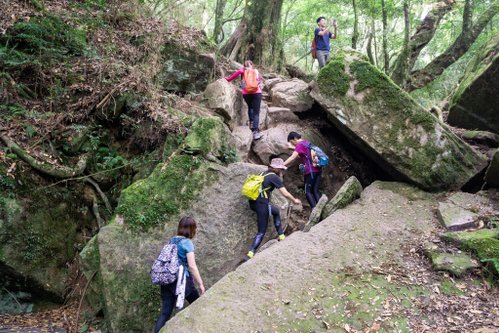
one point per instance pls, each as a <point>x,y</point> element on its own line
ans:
<point>321,160</point>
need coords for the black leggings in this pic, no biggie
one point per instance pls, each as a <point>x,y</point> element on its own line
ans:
<point>169,299</point>
<point>253,101</point>
<point>312,183</point>
<point>261,207</point>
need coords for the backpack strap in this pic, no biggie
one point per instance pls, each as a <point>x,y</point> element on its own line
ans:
<point>263,191</point>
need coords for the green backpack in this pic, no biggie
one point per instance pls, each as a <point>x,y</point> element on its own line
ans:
<point>252,187</point>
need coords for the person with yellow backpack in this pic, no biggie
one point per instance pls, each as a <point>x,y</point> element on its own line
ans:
<point>252,94</point>
<point>258,189</point>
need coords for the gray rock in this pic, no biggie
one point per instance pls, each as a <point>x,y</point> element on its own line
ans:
<point>243,138</point>
<point>226,100</point>
<point>278,115</point>
<point>185,70</point>
<point>290,278</point>
<point>492,174</point>
<point>474,104</point>
<point>391,128</point>
<point>315,215</point>
<point>462,210</point>
<point>348,192</point>
<point>273,142</point>
<point>294,95</point>
<point>455,218</point>
<point>456,264</point>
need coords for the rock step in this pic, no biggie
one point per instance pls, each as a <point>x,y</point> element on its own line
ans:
<point>281,115</point>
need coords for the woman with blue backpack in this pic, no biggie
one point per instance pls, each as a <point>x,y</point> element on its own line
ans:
<point>310,166</point>
<point>185,251</point>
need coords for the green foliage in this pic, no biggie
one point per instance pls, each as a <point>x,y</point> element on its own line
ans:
<point>46,38</point>
<point>156,199</point>
<point>229,154</point>
<point>11,111</point>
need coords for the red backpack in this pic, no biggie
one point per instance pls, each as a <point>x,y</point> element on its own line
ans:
<point>250,81</point>
<point>314,49</point>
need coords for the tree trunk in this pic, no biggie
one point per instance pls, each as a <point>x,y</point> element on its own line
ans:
<point>423,35</point>
<point>355,36</point>
<point>386,58</point>
<point>469,34</point>
<point>256,37</point>
<point>219,15</point>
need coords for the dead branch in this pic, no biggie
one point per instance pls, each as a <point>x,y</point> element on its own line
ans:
<point>48,169</point>
<point>102,195</point>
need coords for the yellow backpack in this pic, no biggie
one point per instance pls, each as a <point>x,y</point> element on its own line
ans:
<point>252,187</point>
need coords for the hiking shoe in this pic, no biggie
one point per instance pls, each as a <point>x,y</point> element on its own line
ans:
<point>257,135</point>
<point>250,254</point>
<point>281,237</point>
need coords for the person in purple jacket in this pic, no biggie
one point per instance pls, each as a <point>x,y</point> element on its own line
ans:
<point>312,174</point>
<point>253,100</point>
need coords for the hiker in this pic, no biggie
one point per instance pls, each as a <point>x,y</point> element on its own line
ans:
<point>252,94</point>
<point>312,174</point>
<point>262,206</point>
<point>322,36</point>
<point>185,249</point>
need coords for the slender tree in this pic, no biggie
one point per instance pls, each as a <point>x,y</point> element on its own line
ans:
<point>386,58</point>
<point>355,35</point>
<point>219,16</point>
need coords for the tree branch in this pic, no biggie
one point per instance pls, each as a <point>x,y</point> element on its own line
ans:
<point>461,45</point>
<point>48,169</point>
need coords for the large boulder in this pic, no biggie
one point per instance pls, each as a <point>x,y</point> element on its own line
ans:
<point>293,95</point>
<point>311,280</point>
<point>210,137</point>
<point>186,68</point>
<point>474,104</point>
<point>226,100</point>
<point>38,237</point>
<point>120,256</point>
<point>391,128</point>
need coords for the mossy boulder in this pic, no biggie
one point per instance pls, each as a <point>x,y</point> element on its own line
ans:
<point>457,264</point>
<point>484,243</point>
<point>391,128</point>
<point>186,69</point>
<point>38,237</point>
<point>474,104</point>
<point>226,228</point>
<point>348,192</point>
<point>210,137</point>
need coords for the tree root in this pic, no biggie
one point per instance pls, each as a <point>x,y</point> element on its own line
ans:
<point>101,194</point>
<point>48,169</point>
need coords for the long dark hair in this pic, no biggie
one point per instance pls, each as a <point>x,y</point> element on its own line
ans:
<point>187,227</point>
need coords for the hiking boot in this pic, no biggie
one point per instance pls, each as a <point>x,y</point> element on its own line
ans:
<point>281,237</point>
<point>257,135</point>
<point>250,254</point>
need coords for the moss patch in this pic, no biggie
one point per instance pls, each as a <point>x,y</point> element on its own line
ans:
<point>354,300</point>
<point>161,196</point>
<point>332,79</point>
<point>484,243</point>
